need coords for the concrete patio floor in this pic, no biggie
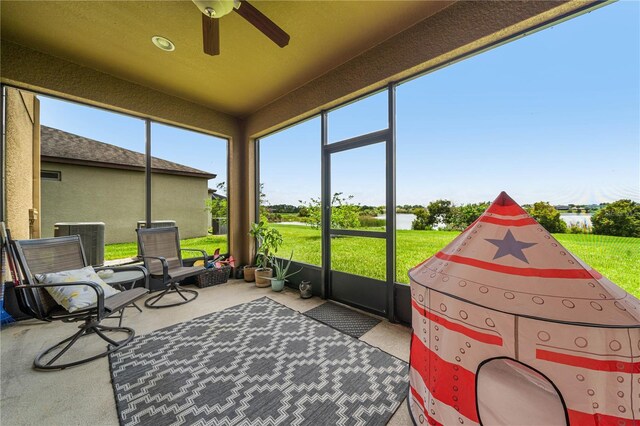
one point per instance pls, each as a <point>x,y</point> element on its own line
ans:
<point>83,395</point>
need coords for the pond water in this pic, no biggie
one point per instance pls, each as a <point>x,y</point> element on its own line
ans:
<point>403,220</point>
<point>292,223</point>
<point>577,218</point>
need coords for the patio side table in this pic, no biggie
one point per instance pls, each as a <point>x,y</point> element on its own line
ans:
<point>124,280</point>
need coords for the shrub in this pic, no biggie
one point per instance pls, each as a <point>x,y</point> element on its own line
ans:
<point>548,217</point>
<point>303,211</point>
<point>370,221</point>
<point>437,213</point>
<point>579,228</point>
<point>421,222</point>
<point>344,214</point>
<point>620,218</point>
<point>463,216</point>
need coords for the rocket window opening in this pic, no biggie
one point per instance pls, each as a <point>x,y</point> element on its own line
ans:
<point>510,393</point>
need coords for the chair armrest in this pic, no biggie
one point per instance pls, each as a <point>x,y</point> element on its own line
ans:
<point>96,287</point>
<point>165,265</point>
<point>204,253</point>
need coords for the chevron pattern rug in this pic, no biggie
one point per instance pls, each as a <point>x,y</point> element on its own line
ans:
<point>259,363</point>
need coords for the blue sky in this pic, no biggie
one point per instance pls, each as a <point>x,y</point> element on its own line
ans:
<point>554,116</point>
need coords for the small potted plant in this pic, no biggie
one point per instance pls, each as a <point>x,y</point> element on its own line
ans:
<point>269,240</point>
<point>277,282</point>
<point>249,273</point>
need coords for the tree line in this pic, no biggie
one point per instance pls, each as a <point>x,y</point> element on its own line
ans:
<point>620,218</point>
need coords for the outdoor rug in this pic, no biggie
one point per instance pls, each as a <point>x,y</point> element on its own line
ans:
<point>343,319</point>
<point>259,363</point>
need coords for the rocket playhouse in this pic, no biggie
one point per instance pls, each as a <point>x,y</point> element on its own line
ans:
<point>509,328</point>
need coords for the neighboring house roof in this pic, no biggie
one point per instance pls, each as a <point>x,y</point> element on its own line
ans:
<point>62,147</point>
<point>213,193</point>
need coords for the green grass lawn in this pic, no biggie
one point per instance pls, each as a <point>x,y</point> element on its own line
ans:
<point>209,244</point>
<point>617,258</point>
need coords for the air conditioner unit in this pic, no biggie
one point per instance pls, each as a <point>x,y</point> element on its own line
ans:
<point>91,235</point>
<point>157,224</point>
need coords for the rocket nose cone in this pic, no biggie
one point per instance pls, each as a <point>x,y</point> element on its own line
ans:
<point>504,200</point>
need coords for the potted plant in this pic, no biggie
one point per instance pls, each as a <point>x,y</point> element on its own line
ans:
<point>249,273</point>
<point>269,240</point>
<point>277,282</point>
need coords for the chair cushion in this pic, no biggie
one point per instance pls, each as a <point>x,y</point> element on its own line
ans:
<point>124,298</point>
<point>75,297</point>
<point>182,272</point>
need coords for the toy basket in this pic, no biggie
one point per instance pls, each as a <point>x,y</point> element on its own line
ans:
<point>213,276</point>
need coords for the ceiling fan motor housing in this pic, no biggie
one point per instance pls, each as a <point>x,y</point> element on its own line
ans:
<point>216,8</point>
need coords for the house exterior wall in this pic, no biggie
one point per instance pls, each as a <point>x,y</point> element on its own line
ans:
<point>117,198</point>
<point>19,168</point>
<point>180,198</point>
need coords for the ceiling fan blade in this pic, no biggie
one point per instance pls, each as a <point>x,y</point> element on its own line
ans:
<point>210,35</point>
<point>264,24</point>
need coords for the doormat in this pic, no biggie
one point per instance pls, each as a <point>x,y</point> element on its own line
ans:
<point>255,363</point>
<point>343,319</point>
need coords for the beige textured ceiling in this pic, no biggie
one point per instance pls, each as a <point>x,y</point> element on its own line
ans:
<point>251,71</point>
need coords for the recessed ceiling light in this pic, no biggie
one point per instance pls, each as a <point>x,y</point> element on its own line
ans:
<point>163,43</point>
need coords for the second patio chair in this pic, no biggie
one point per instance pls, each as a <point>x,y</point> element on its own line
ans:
<point>162,256</point>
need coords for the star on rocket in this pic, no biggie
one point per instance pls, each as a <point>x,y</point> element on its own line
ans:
<point>510,246</point>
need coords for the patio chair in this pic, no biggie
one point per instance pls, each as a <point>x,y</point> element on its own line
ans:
<point>51,255</point>
<point>162,256</point>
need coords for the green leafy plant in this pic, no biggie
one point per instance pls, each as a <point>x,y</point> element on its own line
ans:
<point>218,205</point>
<point>280,270</point>
<point>579,228</point>
<point>269,240</point>
<point>548,217</point>
<point>620,218</point>
<point>344,213</point>
<point>464,215</point>
<point>370,221</point>
<point>437,213</point>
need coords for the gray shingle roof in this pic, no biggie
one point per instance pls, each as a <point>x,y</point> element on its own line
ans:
<point>64,147</point>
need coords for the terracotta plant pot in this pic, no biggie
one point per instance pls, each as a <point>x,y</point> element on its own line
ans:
<point>249,273</point>
<point>262,277</point>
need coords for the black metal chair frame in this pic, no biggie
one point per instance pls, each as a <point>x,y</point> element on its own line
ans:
<point>30,302</point>
<point>172,284</point>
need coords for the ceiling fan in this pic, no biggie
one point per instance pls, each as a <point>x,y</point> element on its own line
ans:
<point>213,10</point>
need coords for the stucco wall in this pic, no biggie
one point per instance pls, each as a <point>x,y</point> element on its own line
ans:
<point>182,199</point>
<point>117,198</point>
<point>19,161</point>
